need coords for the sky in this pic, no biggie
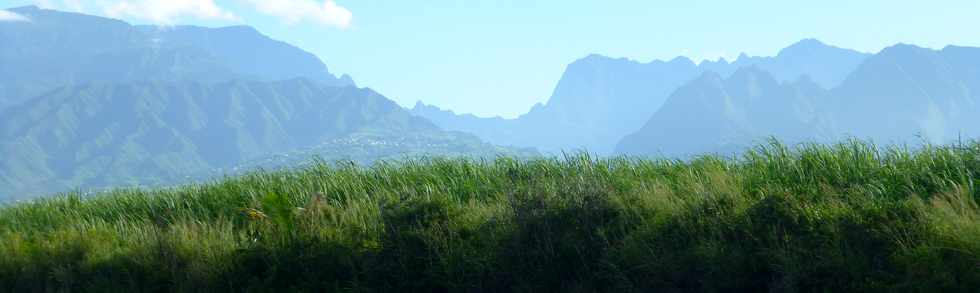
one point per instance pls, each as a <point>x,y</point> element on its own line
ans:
<point>500,57</point>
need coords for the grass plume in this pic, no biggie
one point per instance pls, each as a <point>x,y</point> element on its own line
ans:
<point>845,217</point>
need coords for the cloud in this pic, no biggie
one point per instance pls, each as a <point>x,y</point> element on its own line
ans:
<point>10,16</point>
<point>164,12</point>
<point>67,5</point>
<point>168,11</point>
<point>295,11</point>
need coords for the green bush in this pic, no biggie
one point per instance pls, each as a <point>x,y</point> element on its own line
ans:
<point>838,218</point>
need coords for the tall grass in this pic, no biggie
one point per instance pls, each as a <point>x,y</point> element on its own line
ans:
<point>846,217</point>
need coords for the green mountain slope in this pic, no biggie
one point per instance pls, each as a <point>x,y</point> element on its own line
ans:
<point>157,132</point>
<point>90,102</point>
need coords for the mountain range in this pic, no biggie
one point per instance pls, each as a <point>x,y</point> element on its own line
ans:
<point>808,92</point>
<point>79,49</point>
<point>902,95</point>
<point>599,100</point>
<point>717,114</point>
<point>88,102</point>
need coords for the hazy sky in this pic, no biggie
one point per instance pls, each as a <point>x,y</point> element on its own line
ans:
<point>499,57</point>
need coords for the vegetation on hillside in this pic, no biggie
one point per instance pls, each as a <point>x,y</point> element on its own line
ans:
<point>847,217</point>
<point>157,133</point>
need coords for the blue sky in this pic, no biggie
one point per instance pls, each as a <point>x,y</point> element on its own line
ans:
<point>499,57</point>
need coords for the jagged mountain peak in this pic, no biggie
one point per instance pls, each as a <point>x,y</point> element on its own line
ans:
<point>347,80</point>
<point>742,57</point>
<point>804,47</point>
<point>597,58</point>
<point>681,61</point>
<point>719,61</point>
<point>608,98</point>
<point>903,50</point>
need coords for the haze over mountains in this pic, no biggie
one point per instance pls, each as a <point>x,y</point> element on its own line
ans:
<point>717,114</point>
<point>809,92</point>
<point>91,102</point>
<point>599,100</point>
<point>907,90</point>
<point>902,95</point>
<point>79,49</point>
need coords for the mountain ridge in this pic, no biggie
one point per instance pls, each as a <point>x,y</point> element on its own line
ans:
<point>80,48</point>
<point>731,113</point>
<point>120,105</point>
<point>902,94</point>
<point>599,100</point>
<point>121,134</point>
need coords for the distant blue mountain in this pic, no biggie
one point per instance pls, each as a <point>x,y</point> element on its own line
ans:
<point>825,65</point>
<point>715,114</point>
<point>89,102</point>
<point>907,91</point>
<point>599,100</point>
<point>58,48</point>
<point>98,135</point>
<point>265,58</point>
<point>902,95</point>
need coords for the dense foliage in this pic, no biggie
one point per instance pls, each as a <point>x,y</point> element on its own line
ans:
<point>847,217</point>
<point>158,133</point>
